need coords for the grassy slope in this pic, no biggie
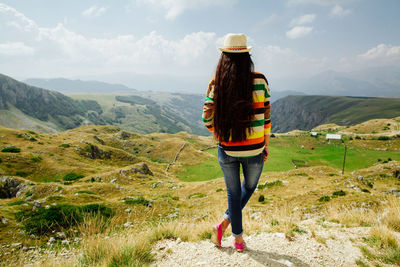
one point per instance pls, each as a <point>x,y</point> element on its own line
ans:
<point>189,200</point>
<point>352,109</point>
<point>360,154</point>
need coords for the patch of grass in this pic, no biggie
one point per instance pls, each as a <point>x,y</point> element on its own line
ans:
<point>86,192</point>
<point>72,176</point>
<point>15,203</point>
<point>137,201</point>
<point>131,256</point>
<point>219,190</point>
<point>205,235</point>
<point>11,149</point>
<point>299,230</point>
<point>198,195</point>
<point>37,159</point>
<point>55,198</point>
<point>274,223</point>
<point>269,184</point>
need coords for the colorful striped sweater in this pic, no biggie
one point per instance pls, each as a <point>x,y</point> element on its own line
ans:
<point>261,125</point>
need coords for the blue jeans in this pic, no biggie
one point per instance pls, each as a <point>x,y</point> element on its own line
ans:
<point>238,194</point>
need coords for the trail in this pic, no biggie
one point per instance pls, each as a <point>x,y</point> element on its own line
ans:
<point>270,249</point>
<point>175,159</point>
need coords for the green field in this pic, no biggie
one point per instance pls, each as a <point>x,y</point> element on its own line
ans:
<point>284,149</point>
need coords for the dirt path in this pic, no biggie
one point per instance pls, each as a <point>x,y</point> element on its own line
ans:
<point>333,248</point>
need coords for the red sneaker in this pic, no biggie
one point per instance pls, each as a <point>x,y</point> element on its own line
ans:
<point>216,235</point>
<point>239,247</point>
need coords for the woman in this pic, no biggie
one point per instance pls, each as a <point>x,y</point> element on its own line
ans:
<point>237,111</point>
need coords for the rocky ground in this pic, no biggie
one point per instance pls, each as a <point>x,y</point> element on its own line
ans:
<point>326,244</point>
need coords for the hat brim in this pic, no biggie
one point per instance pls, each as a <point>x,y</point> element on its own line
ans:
<point>236,51</point>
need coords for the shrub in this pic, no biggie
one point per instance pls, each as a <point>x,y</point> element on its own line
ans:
<point>218,190</point>
<point>365,190</point>
<point>72,176</point>
<point>98,209</point>
<point>61,216</point>
<point>55,218</point>
<point>64,145</point>
<point>1,160</point>
<point>358,138</point>
<point>384,138</point>
<point>339,193</point>
<point>324,199</point>
<point>261,198</point>
<point>11,149</point>
<point>22,174</point>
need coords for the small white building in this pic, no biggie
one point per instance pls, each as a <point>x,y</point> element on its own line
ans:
<point>333,137</point>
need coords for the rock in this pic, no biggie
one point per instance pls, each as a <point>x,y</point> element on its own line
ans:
<point>172,215</point>
<point>77,239</point>
<point>10,187</point>
<point>37,204</point>
<point>141,168</point>
<point>360,178</point>
<point>256,216</point>
<point>4,220</point>
<point>178,240</point>
<point>28,198</point>
<point>124,135</point>
<point>65,242</point>
<point>94,152</point>
<point>128,224</point>
<point>113,180</point>
<point>16,245</point>
<point>61,235</point>
<point>128,210</point>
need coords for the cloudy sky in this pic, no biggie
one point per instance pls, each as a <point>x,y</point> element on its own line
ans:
<point>139,41</point>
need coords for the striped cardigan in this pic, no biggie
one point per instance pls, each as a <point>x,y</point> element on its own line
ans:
<point>261,125</point>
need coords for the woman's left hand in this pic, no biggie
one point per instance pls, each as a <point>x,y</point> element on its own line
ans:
<point>266,154</point>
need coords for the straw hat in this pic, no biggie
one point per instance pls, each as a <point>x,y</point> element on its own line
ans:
<point>235,43</point>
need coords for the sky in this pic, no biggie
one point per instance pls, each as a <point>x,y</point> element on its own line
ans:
<point>173,44</point>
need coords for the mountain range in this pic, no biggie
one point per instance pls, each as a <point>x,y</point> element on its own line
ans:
<point>307,112</point>
<point>68,86</point>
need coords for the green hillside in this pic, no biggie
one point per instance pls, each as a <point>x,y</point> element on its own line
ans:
<point>147,112</point>
<point>46,105</point>
<point>307,112</point>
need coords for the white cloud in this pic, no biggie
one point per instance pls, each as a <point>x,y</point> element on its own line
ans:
<point>316,2</point>
<point>339,11</point>
<point>305,19</point>
<point>94,11</point>
<point>16,19</point>
<point>381,51</point>
<point>59,51</point>
<point>298,32</point>
<point>15,49</point>
<point>174,8</point>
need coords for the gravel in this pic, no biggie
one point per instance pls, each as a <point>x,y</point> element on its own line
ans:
<point>269,249</point>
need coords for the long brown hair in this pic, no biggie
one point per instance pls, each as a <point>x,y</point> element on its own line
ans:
<point>233,97</point>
